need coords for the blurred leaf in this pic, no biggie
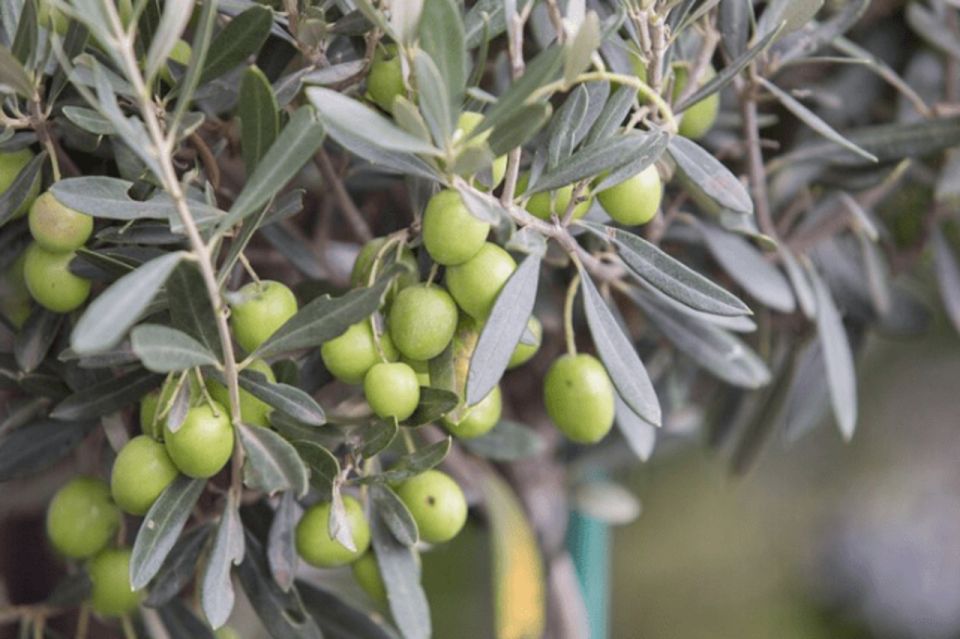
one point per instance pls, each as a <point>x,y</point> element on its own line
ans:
<point>176,14</point>
<point>21,188</point>
<point>508,441</point>
<point>792,14</point>
<point>542,69</point>
<point>259,117</point>
<point>933,28</point>
<point>272,464</point>
<point>502,331</point>
<point>581,48</point>
<point>746,265</point>
<point>487,19</point>
<point>394,514</point>
<point>618,354</point>
<point>442,38</point>
<point>519,127</point>
<point>116,309</point>
<point>108,198</point>
<point>73,590</point>
<point>161,528</point>
<point>89,120</point>
<point>281,542</point>
<point>412,464</point>
<point>798,279</point>
<point>179,621</point>
<point>734,20</point>
<point>25,40</point>
<point>838,358</point>
<point>30,449</point>
<point>190,308</point>
<point>179,567</point>
<point>527,240</point>
<point>13,74</point>
<point>708,175</point>
<point>243,36</point>
<point>293,148</point>
<point>339,620</point>
<point>283,397</point>
<point>817,35</point>
<point>216,592</point>
<point>32,343</point>
<point>434,404</point>
<point>163,349</point>
<point>400,571</point>
<point>106,396</point>
<point>336,73</point>
<point>641,435</point>
<point>519,587</point>
<point>606,501</point>
<point>670,276</point>
<point>325,317</point>
<point>202,28</point>
<point>948,275</point>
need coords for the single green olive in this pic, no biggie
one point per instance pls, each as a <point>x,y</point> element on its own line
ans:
<point>636,200</point>
<point>451,234</point>
<point>141,471</point>
<point>261,309</point>
<point>318,548</point>
<point>422,321</point>
<point>203,443</point>
<point>360,275</point>
<point>698,118</point>
<point>466,123</point>
<point>56,227</point>
<point>385,80</point>
<point>155,402</point>
<point>437,505</point>
<point>579,397</point>
<point>548,203</point>
<point>112,595</point>
<point>349,356</point>
<point>50,281</point>
<point>367,574</point>
<point>479,418</point>
<point>253,411</point>
<point>476,284</point>
<point>392,390</point>
<point>15,300</point>
<point>11,163</point>
<point>523,353</point>
<point>81,519</point>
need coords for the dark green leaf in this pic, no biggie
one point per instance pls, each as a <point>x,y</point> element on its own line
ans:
<point>216,591</point>
<point>395,514</point>
<point>243,36</point>
<point>32,448</point>
<point>108,317</point>
<point>519,127</point>
<point>614,113</point>
<point>161,528</point>
<point>508,441</point>
<point>106,397</point>
<point>502,331</point>
<point>13,74</point>
<point>179,567</point>
<point>283,397</point>
<point>163,349</point>
<point>33,342</point>
<point>708,175</point>
<point>259,117</point>
<point>180,621</point>
<point>272,464</point>
<point>19,191</point>
<point>542,69</point>
<point>323,465</point>
<point>190,308</point>
<point>434,404</point>
<point>414,463</point>
<point>401,577</point>
<point>338,620</point>
<point>25,41</point>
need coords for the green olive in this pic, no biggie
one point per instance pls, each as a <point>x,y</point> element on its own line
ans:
<point>437,505</point>
<point>451,234</point>
<point>203,443</point>
<point>15,300</point>
<point>141,471</point>
<point>11,163</point>
<point>349,356</point>
<point>50,281</point>
<point>367,574</point>
<point>699,118</point>
<point>392,390</point>
<point>422,321</point>
<point>81,519</point>
<point>466,123</point>
<point>479,418</point>
<point>385,80</point>
<point>253,411</point>
<point>360,275</point>
<point>523,353</point>
<point>263,307</point>
<point>318,548</point>
<point>155,402</point>
<point>476,284</point>
<point>58,228</point>
<point>579,397</point>
<point>112,595</point>
<point>636,200</point>
<point>548,203</point>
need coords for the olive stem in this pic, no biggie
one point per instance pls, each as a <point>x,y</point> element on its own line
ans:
<point>407,437</point>
<point>568,314</point>
<point>434,269</point>
<point>249,268</point>
<point>83,622</point>
<point>129,632</point>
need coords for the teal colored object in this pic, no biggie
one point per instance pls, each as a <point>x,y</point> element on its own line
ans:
<point>588,541</point>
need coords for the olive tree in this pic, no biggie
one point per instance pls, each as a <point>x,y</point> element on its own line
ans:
<point>308,284</point>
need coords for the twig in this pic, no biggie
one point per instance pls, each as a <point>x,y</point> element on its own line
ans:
<point>758,178</point>
<point>210,166</point>
<point>355,218</point>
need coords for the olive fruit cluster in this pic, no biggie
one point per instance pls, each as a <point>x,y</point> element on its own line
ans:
<point>58,231</point>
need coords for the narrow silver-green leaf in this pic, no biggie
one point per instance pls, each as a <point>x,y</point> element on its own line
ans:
<point>442,38</point>
<point>709,175</point>
<point>163,349</point>
<point>433,98</point>
<point>161,528</point>
<point>400,571</point>
<point>395,514</point>
<point>13,74</point>
<point>176,14</point>
<point>259,117</point>
<point>243,36</point>
<point>287,399</point>
<point>108,197</point>
<point>272,463</point>
<point>216,589</point>
<point>508,441</point>
<point>640,435</point>
<point>105,397</point>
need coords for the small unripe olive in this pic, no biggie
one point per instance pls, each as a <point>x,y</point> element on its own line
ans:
<point>318,548</point>
<point>253,411</point>
<point>367,574</point>
<point>263,308</point>
<point>699,118</point>
<point>451,234</point>
<point>15,300</point>
<point>81,519</point>
<point>360,274</point>
<point>422,321</point>
<point>579,397</point>
<point>50,281</point>
<point>56,227</point>
<point>437,505</point>
<point>392,390</point>
<point>141,471</point>
<point>636,200</point>
<point>547,203</point>
<point>112,595</point>
<point>11,163</point>
<point>466,123</point>
<point>349,356</point>
<point>523,353</point>
<point>476,284</point>
<point>479,418</point>
<point>385,80</point>
<point>203,443</point>
<point>155,402</point>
